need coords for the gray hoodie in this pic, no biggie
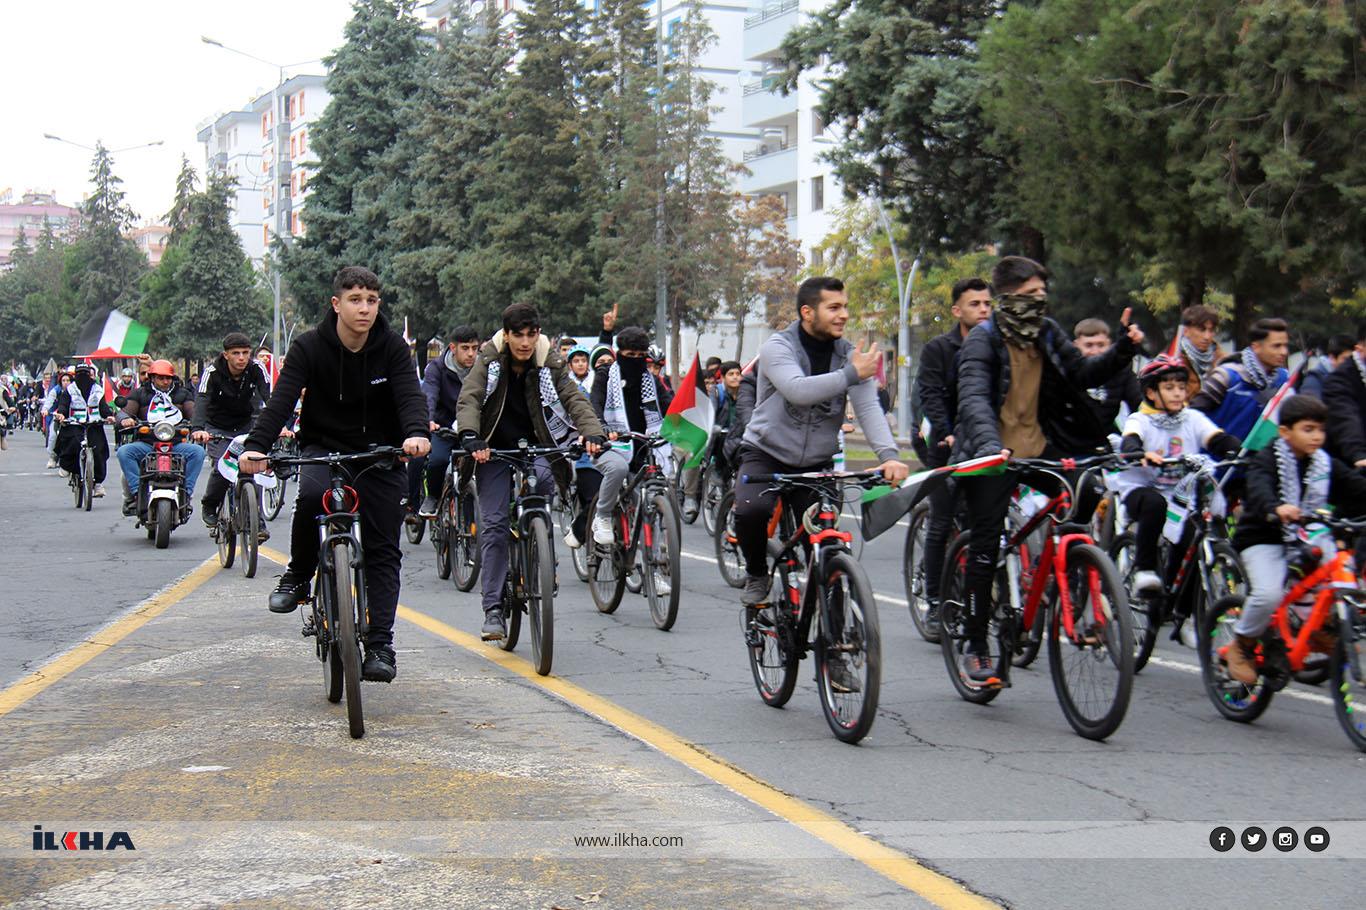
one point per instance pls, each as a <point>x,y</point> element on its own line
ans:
<point>797,416</point>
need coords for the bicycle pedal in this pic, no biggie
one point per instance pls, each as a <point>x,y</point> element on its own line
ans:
<point>308,629</point>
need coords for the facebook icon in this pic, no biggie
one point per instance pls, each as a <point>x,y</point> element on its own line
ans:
<point>1222,839</point>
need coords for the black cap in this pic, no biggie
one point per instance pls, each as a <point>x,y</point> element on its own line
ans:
<point>236,340</point>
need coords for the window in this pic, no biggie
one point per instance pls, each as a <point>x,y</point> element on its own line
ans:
<point>289,108</point>
<point>817,124</point>
<point>303,141</point>
<point>817,193</point>
<point>671,49</point>
<point>265,124</point>
<point>303,180</point>
<point>293,185</point>
<point>300,107</point>
<point>265,235</point>
<point>293,147</point>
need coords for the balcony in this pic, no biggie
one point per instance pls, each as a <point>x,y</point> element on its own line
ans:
<point>765,30</point>
<point>772,165</point>
<point>762,104</point>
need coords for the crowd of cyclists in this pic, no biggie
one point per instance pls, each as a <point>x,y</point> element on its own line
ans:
<point>1008,404</point>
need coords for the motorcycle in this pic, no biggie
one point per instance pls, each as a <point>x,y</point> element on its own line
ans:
<point>162,503</point>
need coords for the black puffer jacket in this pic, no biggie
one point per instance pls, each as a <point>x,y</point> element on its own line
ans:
<point>1065,415</point>
<point>1345,395</point>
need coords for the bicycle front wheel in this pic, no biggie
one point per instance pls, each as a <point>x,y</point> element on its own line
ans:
<point>1233,699</point>
<point>913,574</point>
<point>606,583</point>
<point>1093,669</point>
<point>414,528</point>
<point>953,628</point>
<point>849,663</point>
<point>1145,610</point>
<point>660,565</point>
<point>770,640</point>
<point>540,594</point>
<point>729,559</point>
<point>249,517</point>
<point>326,630</point>
<point>227,539</point>
<point>1347,669</point>
<point>344,604</point>
<point>443,532</point>
<point>465,558</point>
<point>88,476</point>
<point>275,497</point>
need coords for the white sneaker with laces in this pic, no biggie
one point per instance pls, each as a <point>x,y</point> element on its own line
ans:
<point>602,530</point>
<point>571,541</point>
<point>1146,582</point>
<point>98,492</point>
<point>52,462</point>
<point>1188,634</point>
<point>61,472</point>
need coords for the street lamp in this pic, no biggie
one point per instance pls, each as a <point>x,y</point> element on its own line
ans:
<point>88,148</point>
<point>276,151</point>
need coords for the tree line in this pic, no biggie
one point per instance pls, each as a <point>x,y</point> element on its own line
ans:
<point>547,157</point>
<point>1160,153</point>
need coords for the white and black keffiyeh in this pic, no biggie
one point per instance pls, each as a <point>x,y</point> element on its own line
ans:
<point>1309,496</point>
<point>1256,373</point>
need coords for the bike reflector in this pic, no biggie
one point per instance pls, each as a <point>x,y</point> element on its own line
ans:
<point>350,500</point>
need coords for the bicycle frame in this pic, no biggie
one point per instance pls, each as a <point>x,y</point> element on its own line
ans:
<point>333,526</point>
<point>801,604</point>
<point>1052,565</point>
<point>649,481</point>
<point>1332,578</point>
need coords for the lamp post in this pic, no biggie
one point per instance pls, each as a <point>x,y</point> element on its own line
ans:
<point>903,332</point>
<point>276,149</point>
<point>89,148</point>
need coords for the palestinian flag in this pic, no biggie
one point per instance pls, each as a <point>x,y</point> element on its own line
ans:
<point>688,423</point>
<point>883,506</point>
<point>108,390</point>
<point>980,467</point>
<point>110,333</point>
<point>1265,429</point>
<point>1174,349</point>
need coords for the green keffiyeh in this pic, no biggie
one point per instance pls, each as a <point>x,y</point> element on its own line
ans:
<point>1020,317</point>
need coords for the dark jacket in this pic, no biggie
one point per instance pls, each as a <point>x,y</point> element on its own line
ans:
<point>135,405</point>
<point>1231,400</point>
<point>1345,395</point>
<point>355,399</point>
<point>744,407</point>
<point>1259,525</point>
<point>229,404</point>
<point>1311,381</point>
<point>1065,415</point>
<point>1105,400</point>
<point>62,403</point>
<point>936,396</point>
<point>441,383</point>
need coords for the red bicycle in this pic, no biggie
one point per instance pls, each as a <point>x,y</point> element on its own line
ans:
<point>1069,594</point>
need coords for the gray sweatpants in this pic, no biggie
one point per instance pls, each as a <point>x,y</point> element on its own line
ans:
<point>1265,566</point>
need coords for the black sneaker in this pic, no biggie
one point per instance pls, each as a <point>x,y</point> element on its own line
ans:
<point>428,508</point>
<point>130,508</point>
<point>977,669</point>
<point>380,664</point>
<point>263,535</point>
<point>932,613</point>
<point>495,627</point>
<point>756,590</point>
<point>208,516</point>
<point>289,593</point>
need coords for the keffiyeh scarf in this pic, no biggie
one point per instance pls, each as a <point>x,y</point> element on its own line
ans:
<point>1312,494</point>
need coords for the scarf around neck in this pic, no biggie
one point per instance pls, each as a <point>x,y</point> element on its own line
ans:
<point>1161,419</point>
<point>1309,496</point>
<point>1020,317</point>
<point>1256,373</point>
<point>1198,360</point>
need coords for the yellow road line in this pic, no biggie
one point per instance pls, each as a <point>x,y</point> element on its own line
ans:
<point>105,638</point>
<point>938,889</point>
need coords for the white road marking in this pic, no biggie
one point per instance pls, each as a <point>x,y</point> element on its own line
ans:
<point>1194,668</point>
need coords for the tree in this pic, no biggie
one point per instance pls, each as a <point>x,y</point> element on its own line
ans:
<point>904,88</point>
<point>178,218</point>
<point>762,262</point>
<point>21,251</point>
<point>104,267</point>
<point>381,66</point>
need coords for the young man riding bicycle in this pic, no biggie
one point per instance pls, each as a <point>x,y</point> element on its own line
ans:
<point>520,389</point>
<point>1008,367</point>
<point>441,383</point>
<point>362,392</point>
<point>231,390</point>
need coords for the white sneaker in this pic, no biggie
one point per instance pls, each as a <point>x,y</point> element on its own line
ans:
<point>571,541</point>
<point>602,530</point>
<point>98,492</point>
<point>52,462</point>
<point>1146,582</point>
<point>61,472</point>
<point>1188,637</point>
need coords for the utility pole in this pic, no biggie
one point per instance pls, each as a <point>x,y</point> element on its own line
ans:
<point>903,332</point>
<point>661,281</point>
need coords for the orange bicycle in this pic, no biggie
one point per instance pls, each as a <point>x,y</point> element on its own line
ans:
<point>1335,624</point>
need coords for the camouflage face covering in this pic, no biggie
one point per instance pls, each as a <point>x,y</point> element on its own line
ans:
<point>1020,317</point>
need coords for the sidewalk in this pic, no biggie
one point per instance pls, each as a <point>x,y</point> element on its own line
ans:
<point>205,736</point>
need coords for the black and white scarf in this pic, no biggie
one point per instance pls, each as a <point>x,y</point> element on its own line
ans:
<point>1200,361</point>
<point>1256,373</point>
<point>1309,496</point>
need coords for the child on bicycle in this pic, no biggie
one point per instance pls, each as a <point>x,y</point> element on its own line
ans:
<point>1287,482</point>
<point>1162,428</point>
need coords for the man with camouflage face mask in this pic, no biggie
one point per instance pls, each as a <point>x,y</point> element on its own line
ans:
<point>1009,366</point>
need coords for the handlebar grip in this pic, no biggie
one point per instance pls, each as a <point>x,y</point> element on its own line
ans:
<point>760,478</point>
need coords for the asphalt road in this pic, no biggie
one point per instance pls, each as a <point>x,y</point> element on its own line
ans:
<point>1004,798</point>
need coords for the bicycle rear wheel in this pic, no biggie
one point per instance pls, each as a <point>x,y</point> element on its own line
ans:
<point>348,644</point>
<point>1347,670</point>
<point>249,519</point>
<point>913,574</point>
<point>275,497</point>
<point>1145,610</point>
<point>88,476</point>
<point>443,527</point>
<point>77,486</point>
<point>465,558</point>
<point>414,527</point>
<point>1093,671</point>
<point>660,559</point>
<point>540,595</point>
<point>849,665</point>
<point>771,640</point>
<point>606,581</point>
<point>227,540</point>
<point>512,609</point>
<point>1233,699</point>
<point>729,559</point>
<point>712,491</point>
<point>953,637</point>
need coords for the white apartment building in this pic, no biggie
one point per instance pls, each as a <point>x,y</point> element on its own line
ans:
<point>266,150</point>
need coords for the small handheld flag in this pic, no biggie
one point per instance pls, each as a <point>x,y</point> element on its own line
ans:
<point>688,423</point>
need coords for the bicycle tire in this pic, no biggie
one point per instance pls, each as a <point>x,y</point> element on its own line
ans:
<point>442,533</point>
<point>770,640</point>
<point>606,584</point>
<point>540,603</point>
<point>1146,612</point>
<point>860,639</point>
<point>1223,577</point>
<point>952,639</point>
<point>709,496</point>
<point>465,556</point>
<point>275,497</point>
<point>1113,645</point>
<point>77,487</point>
<point>164,510</point>
<point>660,521</point>
<point>227,540</point>
<point>328,652</point>
<point>414,528</point>
<point>1232,699</point>
<point>729,560</point>
<point>1347,670</point>
<point>1026,644</point>
<point>88,476</point>
<point>346,641</point>
<point>913,574</point>
<point>249,519</point>
<point>512,610</point>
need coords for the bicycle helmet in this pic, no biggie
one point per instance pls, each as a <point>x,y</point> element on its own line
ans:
<point>161,368</point>
<point>655,353</point>
<point>126,373</point>
<point>1163,366</point>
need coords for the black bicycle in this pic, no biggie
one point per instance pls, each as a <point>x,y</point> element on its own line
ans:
<point>830,611</point>
<point>530,584</point>
<point>238,523</point>
<point>646,528</point>
<point>729,560</point>
<point>337,620</point>
<point>455,528</point>
<point>82,480</point>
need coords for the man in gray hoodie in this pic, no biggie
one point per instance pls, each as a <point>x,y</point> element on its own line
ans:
<point>441,383</point>
<point>805,375</point>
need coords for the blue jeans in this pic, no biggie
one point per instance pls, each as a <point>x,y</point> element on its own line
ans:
<point>130,457</point>
<point>494,480</point>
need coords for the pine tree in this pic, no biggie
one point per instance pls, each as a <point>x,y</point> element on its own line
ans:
<point>104,267</point>
<point>178,218</point>
<point>22,250</point>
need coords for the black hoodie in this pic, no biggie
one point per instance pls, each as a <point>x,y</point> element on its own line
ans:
<point>355,399</point>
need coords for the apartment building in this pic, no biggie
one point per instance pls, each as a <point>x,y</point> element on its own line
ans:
<point>28,214</point>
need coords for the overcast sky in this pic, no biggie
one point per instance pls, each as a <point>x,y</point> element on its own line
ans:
<point>133,71</point>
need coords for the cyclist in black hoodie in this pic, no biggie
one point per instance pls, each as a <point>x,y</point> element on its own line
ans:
<point>362,392</point>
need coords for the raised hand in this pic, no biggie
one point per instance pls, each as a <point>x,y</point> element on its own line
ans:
<point>866,362</point>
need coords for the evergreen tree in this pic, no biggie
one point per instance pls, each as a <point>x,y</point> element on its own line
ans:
<point>104,267</point>
<point>22,250</point>
<point>371,78</point>
<point>178,218</point>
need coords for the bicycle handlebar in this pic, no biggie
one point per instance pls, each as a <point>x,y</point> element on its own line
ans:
<point>377,454</point>
<point>811,476</point>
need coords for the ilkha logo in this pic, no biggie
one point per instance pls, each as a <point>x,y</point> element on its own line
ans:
<point>80,840</point>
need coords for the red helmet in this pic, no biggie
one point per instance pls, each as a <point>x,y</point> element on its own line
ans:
<point>1159,368</point>
<point>161,368</point>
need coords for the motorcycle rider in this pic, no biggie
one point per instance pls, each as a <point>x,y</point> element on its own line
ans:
<point>164,398</point>
<point>231,390</point>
